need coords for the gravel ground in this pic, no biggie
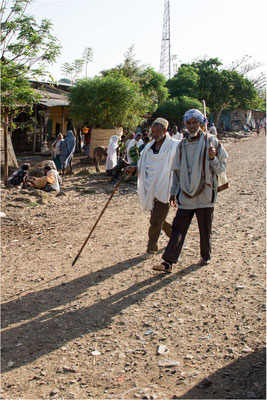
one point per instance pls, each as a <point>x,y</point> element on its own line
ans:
<point>95,330</point>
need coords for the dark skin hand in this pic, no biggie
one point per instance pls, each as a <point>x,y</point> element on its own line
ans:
<point>212,152</point>
<point>172,201</point>
<point>130,170</point>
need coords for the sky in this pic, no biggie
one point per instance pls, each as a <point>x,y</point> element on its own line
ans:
<point>225,29</point>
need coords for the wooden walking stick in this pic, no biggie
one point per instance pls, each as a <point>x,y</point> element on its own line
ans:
<point>98,219</point>
<point>205,114</point>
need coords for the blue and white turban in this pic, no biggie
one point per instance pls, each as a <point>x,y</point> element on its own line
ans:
<point>194,113</point>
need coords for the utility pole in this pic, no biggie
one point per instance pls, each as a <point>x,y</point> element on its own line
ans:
<point>165,56</point>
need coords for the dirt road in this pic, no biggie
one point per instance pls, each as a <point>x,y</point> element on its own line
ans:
<point>92,331</point>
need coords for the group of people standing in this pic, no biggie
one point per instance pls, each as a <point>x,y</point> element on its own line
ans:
<point>130,150</point>
<point>172,170</point>
<point>63,150</point>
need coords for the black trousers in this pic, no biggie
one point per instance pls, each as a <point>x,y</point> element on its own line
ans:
<point>180,227</point>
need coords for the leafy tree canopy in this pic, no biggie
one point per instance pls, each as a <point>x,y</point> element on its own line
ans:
<point>152,83</point>
<point>173,109</point>
<point>24,44</point>
<point>16,89</point>
<point>184,83</point>
<point>72,70</point>
<point>108,102</point>
<point>23,40</point>
<point>220,88</point>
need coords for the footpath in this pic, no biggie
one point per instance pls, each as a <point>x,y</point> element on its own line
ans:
<point>110,327</point>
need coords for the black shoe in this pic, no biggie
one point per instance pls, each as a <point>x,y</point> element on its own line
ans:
<point>203,262</point>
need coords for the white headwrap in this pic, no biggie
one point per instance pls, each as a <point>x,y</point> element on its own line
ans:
<point>194,113</point>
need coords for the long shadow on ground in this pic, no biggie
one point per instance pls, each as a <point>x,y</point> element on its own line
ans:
<point>35,303</point>
<point>242,379</point>
<point>51,331</point>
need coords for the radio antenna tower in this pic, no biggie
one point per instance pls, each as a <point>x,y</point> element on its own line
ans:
<point>165,56</point>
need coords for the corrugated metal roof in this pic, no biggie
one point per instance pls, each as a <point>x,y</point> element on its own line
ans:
<point>52,99</point>
<point>54,102</point>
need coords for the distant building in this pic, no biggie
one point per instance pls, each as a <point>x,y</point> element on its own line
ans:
<point>233,120</point>
<point>51,117</point>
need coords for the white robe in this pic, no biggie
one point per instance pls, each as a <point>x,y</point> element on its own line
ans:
<point>112,152</point>
<point>178,136</point>
<point>154,173</point>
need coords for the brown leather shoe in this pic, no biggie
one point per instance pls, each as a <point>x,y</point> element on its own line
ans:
<point>163,267</point>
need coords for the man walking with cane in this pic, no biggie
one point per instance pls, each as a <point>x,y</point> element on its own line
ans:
<point>198,161</point>
<point>154,181</point>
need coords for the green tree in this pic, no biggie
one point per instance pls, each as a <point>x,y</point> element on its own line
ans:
<point>184,83</point>
<point>108,102</point>
<point>23,40</point>
<point>173,109</point>
<point>73,70</point>
<point>25,45</point>
<point>152,83</point>
<point>220,88</point>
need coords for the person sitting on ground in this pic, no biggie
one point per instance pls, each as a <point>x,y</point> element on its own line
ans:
<point>49,182</point>
<point>66,150</point>
<point>19,177</point>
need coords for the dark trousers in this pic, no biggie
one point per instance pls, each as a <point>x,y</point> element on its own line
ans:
<point>157,222</point>
<point>180,227</point>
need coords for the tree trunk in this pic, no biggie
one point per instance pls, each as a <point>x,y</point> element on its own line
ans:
<point>34,130</point>
<point>6,147</point>
<point>217,115</point>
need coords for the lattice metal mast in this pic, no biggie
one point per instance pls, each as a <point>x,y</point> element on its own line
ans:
<point>165,56</point>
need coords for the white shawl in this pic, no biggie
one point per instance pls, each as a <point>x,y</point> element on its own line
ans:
<point>112,152</point>
<point>154,173</point>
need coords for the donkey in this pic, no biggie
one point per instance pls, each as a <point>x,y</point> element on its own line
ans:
<point>99,154</point>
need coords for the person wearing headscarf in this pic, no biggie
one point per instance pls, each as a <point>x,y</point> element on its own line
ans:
<point>111,161</point>
<point>66,150</point>
<point>56,151</point>
<point>136,142</point>
<point>199,160</point>
<point>154,181</point>
<point>213,130</point>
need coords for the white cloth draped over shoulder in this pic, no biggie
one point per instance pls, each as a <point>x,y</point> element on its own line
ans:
<point>178,136</point>
<point>112,152</point>
<point>191,180</point>
<point>55,178</point>
<point>154,173</point>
